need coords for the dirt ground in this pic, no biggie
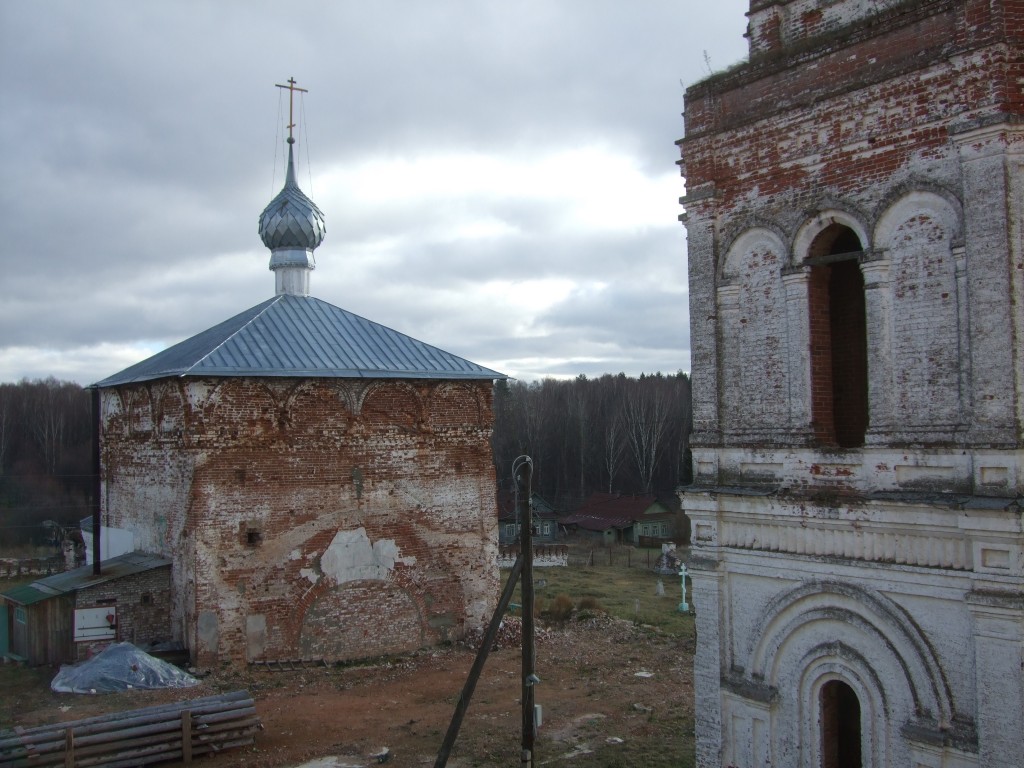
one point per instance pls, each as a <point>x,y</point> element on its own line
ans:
<point>613,693</point>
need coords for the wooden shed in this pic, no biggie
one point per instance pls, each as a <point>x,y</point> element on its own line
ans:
<point>66,617</point>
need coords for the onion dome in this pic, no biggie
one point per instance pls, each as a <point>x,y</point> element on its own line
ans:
<point>291,226</point>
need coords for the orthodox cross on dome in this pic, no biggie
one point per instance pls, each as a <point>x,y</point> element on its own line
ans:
<point>291,226</point>
<point>292,88</point>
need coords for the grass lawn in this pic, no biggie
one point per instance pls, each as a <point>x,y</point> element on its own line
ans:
<point>623,592</point>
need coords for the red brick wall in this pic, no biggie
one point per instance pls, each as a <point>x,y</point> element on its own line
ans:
<point>143,602</point>
<point>821,355</point>
<point>853,111</point>
<point>251,481</point>
<point>858,122</point>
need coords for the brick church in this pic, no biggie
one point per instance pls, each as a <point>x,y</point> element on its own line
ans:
<point>322,484</point>
<point>854,217</point>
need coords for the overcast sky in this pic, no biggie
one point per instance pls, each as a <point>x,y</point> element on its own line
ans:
<point>498,178</point>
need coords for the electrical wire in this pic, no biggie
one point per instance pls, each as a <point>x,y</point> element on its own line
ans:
<point>305,139</point>
<point>277,140</point>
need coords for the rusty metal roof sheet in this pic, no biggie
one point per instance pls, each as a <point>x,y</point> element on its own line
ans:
<point>80,578</point>
<point>302,336</point>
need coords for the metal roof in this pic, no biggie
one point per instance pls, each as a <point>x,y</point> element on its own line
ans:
<point>602,511</point>
<point>302,336</point>
<point>26,594</point>
<point>80,578</point>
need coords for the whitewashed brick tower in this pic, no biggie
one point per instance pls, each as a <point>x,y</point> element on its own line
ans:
<point>855,224</point>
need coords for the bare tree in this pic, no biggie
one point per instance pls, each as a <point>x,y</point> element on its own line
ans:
<point>7,392</point>
<point>613,433</point>
<point>645,413</point>
<point>47,415</point>
<point>613,448</point>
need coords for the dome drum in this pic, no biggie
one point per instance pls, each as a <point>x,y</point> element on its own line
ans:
<point>291,257</point>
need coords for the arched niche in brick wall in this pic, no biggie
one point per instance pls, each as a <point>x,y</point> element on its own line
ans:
<point>757,240</point>
<point>319,407</point>
<point>112,411</point>
<point>140,410</point>
<point>168,406</point>
<point>752,307</point>
<point>454,404</point>
<point>242,408</point>
<point>917,236</point>
<point>387,405</point>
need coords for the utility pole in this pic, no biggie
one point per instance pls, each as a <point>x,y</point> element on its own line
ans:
<point>522,471</point>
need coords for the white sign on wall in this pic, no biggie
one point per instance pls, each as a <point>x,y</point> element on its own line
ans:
<point>96,623</point>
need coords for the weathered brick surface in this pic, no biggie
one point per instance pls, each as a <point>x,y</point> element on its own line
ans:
<point>855,202</point>
<point>143,602</point>
<point>309,518</point>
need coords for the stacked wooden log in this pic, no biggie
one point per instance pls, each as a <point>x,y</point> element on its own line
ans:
<point>178,731</point>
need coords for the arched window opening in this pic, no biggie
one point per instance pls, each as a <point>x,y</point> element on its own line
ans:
<point>840,726</point>
<point>838,325</point>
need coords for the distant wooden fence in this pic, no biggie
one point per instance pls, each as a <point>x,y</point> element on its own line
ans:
<point>617,556</point>
<point>544,556</point>
<point>11,567</point>
<point>178,731</point>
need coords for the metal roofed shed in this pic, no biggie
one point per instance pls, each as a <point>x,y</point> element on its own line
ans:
<point>64,617</point>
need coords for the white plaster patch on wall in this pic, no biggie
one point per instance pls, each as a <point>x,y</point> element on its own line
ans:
<point>309,573</point>
<point>295,555</point>
<point>909,473</point>
<point>352,557</point>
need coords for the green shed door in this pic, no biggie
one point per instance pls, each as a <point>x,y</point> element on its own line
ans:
<point>4,643</point>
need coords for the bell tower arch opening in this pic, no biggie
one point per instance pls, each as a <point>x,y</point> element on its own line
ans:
<point>840,726</point>
<point>838,331</point>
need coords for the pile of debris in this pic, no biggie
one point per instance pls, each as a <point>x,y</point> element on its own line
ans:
<point>510,634</point>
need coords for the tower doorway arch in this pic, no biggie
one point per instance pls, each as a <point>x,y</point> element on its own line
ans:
<point>840,726</point>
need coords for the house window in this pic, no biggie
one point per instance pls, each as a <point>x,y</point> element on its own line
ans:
<point>838,325</point>
<point>254,537</point>
<point>20,615</point>
<point>147,598</point>
<point>510,529</point>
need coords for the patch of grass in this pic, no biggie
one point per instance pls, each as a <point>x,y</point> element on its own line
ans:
<point>622,592</point>
<point>560,608</point>
<point>589,603</point>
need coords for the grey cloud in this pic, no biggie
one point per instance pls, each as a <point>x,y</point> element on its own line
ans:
<point>140,141</point>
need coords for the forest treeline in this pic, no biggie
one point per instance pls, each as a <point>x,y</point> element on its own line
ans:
<point>613,434</point>
<point>610,434</point>
<point>45,458</point>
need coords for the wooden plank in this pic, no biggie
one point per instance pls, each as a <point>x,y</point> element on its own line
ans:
<point>186,736</point>
<point>69,748</point>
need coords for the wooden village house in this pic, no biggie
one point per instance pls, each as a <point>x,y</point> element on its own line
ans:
<point>615,518</point>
